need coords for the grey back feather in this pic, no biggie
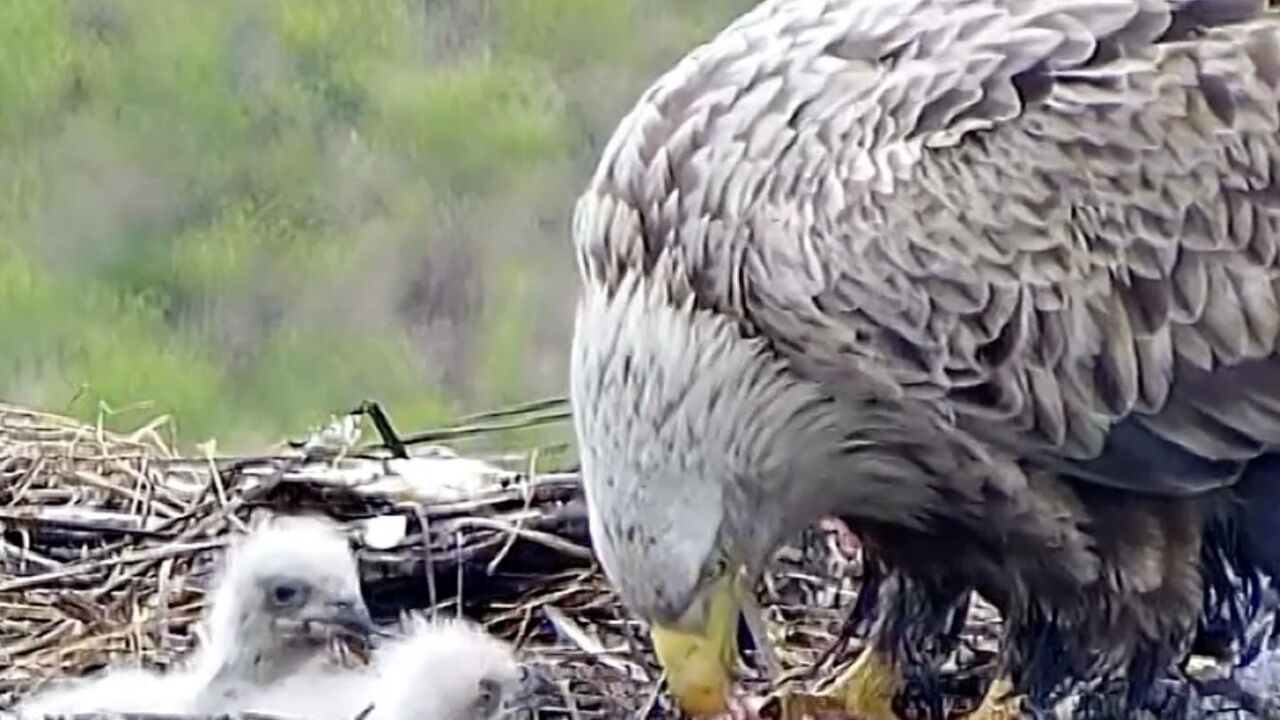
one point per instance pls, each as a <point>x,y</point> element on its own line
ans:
<point>1033,222</point>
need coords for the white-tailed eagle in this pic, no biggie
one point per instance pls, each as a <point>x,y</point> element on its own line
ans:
<point>995,281</point>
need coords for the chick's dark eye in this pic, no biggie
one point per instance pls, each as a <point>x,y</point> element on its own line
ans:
<point>285,594</point>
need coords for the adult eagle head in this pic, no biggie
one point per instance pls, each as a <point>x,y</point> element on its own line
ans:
<point>703,451</point>
<point>993,280</point>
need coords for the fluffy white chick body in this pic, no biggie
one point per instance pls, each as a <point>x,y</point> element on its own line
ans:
<point>282,594</point>
<point>282,591</point>
<point>114,690</point>
<point>444,670</point>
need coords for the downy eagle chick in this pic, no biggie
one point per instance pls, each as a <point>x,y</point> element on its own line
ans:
<point>445,670</point>
<point>286,592</point>
<point>283,591</point>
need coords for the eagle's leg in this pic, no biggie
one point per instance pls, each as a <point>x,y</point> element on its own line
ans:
<point>866,689</point>
<point>1001,702</point>
<point>898,675</point>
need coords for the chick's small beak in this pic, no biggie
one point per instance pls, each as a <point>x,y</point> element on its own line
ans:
<point>699,664</point>
<point>352,617</point>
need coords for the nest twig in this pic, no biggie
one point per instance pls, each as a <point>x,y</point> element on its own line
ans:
<point>107,540</point>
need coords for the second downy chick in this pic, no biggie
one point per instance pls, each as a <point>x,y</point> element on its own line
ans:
<point>445,670</point>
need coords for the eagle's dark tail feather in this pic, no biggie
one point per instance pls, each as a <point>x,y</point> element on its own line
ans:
<point>1241,564</point>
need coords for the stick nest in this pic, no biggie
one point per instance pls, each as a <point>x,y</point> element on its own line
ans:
<point>108,542</point>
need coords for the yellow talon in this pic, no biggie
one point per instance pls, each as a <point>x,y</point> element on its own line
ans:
<point>868,687</point>
<point>1000,703</point>
<point>864,691</point>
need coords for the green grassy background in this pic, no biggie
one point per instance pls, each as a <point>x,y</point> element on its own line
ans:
<point>253,213</point>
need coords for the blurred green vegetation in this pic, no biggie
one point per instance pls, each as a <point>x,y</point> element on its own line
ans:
<point>253,213</point>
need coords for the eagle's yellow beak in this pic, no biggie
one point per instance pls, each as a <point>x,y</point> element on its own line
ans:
<point>698,665</point>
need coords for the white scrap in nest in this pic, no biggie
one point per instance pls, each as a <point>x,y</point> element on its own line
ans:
<point>340,435</point>
<point>446,478</point>
<point>441,476</point>
<point>384,532</point>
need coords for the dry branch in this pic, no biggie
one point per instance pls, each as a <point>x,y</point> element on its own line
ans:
<point>106,543</point>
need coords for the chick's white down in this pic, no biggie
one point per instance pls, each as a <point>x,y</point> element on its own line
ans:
<point>114,690</point>
<point>267,651</point>
<point>445,670</point>
<point>285,593</point>
<point>283,589</point>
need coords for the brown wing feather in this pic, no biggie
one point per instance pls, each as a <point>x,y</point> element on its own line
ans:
<point>1054,224</point>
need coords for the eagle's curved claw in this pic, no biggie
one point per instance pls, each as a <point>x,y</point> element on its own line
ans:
<point>865,690</point>
<point>1000,703</point>
<point>801,706</point>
